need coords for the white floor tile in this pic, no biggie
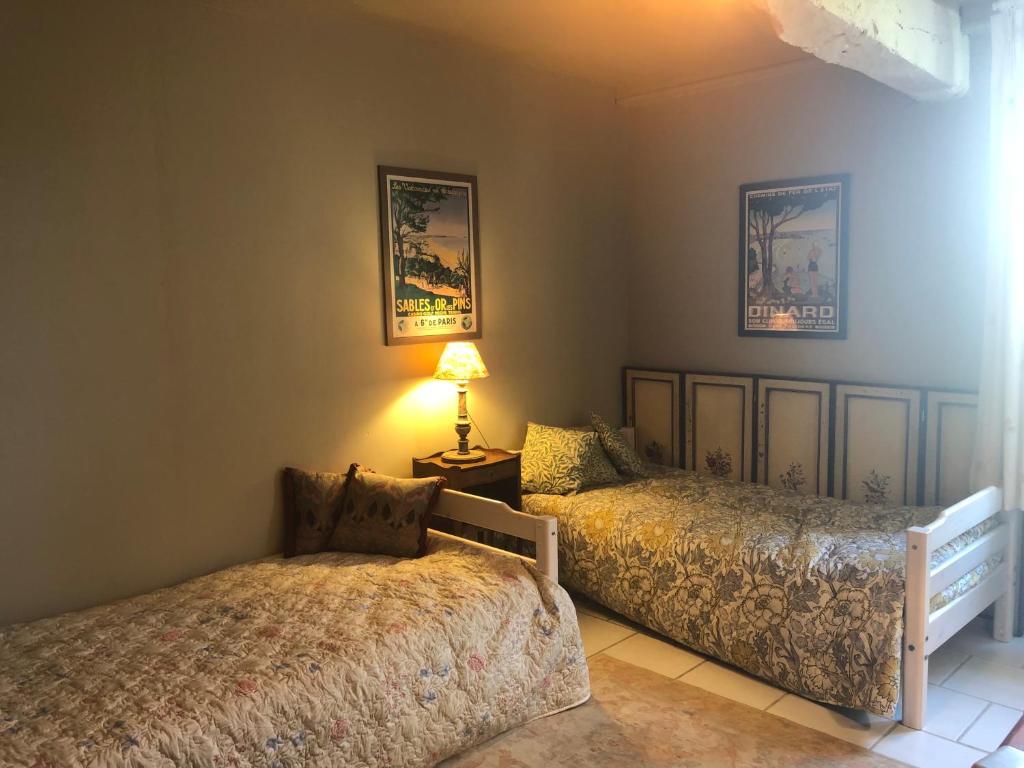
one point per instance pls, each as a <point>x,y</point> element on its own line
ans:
<point>976,640</point>
<point>925,750</point>
<point>598,634</point>
<point>589,607</point>
<point>950,713</point>
<point>863,733</point>
<point>654,654</point>
<point>944,663</point>
<point>732,684</point>
<point>991,728</point>
<point>994,682</point>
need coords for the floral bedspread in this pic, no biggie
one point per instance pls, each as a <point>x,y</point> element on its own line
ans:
<point>322,660</point>
<point>803,591</point>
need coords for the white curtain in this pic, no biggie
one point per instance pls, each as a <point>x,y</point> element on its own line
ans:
<point>999,447</point>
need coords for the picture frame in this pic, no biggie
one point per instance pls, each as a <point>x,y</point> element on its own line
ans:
<point>653,408</point>
<point>430,256</point>
<point>795,231</point>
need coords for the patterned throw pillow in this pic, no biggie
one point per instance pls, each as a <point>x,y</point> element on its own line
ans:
<point>312,504</point>
<point>384,515</point>
<point>626,460</point>
<point>599,470</point>
<point>557,460</point>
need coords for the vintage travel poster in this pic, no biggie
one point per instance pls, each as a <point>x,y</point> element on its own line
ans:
<point>793,258</point>
<point>430,256</point>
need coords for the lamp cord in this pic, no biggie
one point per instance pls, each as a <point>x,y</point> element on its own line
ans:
<point>477,428</point>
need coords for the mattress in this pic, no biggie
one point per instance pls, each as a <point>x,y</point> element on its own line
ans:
<point>806,592</point>
<point>321,660</point>
<point>972,578</point>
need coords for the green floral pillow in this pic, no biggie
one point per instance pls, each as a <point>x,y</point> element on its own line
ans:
<point>599,470</point>
<point>626,460</point>
<point>557,460</point>
<point>384,515</point>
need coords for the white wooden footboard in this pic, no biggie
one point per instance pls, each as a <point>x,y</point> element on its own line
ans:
<point>498,516</point>
<point>925,630</point>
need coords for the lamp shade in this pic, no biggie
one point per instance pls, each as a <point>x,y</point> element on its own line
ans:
<point>460,362</point>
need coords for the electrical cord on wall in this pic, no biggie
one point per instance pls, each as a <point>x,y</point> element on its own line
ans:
<point>477,428</point>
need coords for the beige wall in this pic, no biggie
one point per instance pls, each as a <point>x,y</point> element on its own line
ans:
<point>191,291</point>
<point>916,224</point>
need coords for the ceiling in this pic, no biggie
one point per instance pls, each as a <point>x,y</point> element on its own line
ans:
<point>633,46</point>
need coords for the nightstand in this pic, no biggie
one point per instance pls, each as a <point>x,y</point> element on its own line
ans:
<point>496,477</point>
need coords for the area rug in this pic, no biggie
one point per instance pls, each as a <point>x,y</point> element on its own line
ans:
<point>641,719</point>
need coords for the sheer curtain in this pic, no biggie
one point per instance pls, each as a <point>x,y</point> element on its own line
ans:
<point>999,448</point>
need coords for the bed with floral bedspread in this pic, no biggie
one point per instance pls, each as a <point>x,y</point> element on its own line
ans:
<point>804,591</point>
<point>321,660</point>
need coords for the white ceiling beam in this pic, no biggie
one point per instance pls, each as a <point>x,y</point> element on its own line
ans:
<point>914,46</point>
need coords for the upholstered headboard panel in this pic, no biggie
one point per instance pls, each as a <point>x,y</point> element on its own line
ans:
<point>889,444</point>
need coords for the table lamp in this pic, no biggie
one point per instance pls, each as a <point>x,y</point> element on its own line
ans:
<point>460,362</point>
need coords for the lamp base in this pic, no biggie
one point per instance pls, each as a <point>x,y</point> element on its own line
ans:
<point>471,456</point>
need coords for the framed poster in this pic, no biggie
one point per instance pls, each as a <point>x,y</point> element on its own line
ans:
<point>793,254</point>
<point>430,256</point>
<point>652,410</point>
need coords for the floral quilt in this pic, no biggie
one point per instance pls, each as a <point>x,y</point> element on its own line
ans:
<point>804,591</point>
<point>321,660</point>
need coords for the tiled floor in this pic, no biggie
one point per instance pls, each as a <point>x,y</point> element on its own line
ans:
<point>976,693</point>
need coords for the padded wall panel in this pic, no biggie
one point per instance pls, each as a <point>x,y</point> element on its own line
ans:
<point>949,446</point>
<point>719,425</point>
<point>876,444</point>
<point>653,410</point>
<point>792,435</point>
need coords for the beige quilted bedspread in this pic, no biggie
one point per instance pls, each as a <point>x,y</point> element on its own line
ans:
<point>322,660</point>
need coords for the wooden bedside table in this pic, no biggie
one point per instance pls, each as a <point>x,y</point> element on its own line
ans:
<point>496,477</point>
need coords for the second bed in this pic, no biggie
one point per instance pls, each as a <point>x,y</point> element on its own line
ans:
<point>809,593</point>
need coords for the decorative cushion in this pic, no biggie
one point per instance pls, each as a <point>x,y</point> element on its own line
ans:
<point>626,460</point>
<point>312,504</point>
<point>599,470</point>
<point>384,515</point>
<point>558,460</point>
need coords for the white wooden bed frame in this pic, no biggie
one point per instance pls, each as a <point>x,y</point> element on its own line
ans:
<point>924,630</point>
<point>498,516</point>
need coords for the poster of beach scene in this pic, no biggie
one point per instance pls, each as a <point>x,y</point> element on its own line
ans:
<point>793,258</point>
<point>430,256</point>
